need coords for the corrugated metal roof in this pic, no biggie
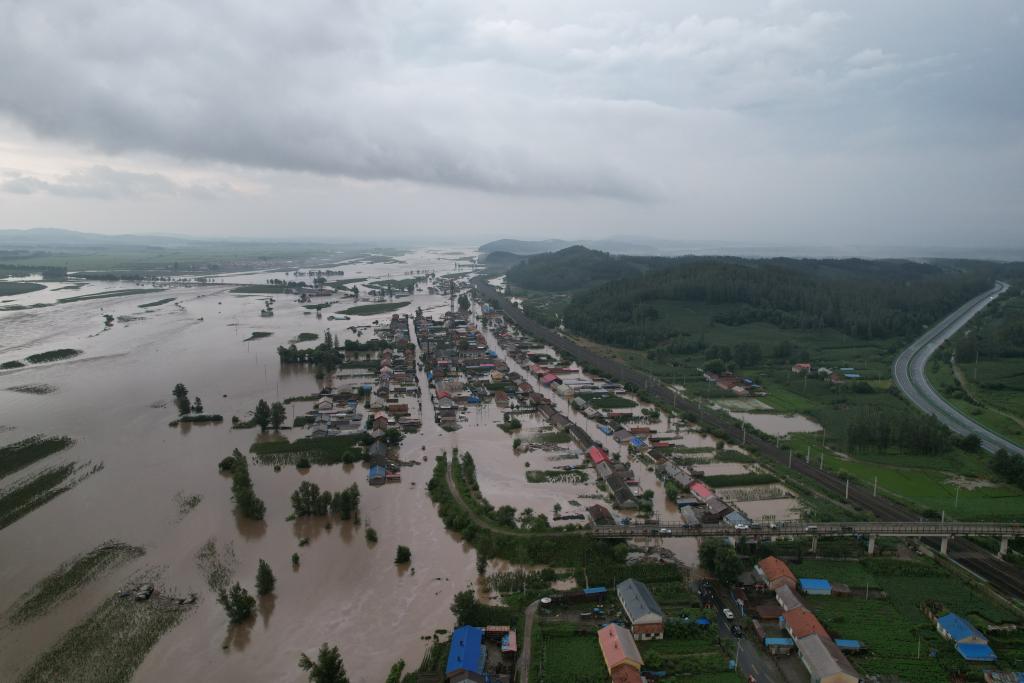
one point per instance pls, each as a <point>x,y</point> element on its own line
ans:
<point>618,646</point>
<point>466,651</point>
<point>637,600</point>
<point>822,658</point>
<point>959,628</point>
<point>976,652</point>
<point>815,585</point>
<point>778,641</point>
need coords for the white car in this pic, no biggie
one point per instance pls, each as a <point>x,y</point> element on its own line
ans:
<point>742,527</point>
<point>665,531</point>
<point>728,613</point>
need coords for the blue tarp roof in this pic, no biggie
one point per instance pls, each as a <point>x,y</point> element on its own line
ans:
<point>778,641</point>
<point>637,441</point>
<point>958,628</point>
<point>703,621</point>
<point>605,429</point>
<point>492,354</point>
<point>596,590</point>
<point>465,652</point>
<point>472,399</point>
<point>976,652</point>
<point>808,585</point>
<point>844,644</point>
<point>377,471</point>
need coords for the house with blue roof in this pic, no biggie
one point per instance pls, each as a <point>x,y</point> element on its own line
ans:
<point>815,586</point>
<point>466,652</point>
<point>970,642</point>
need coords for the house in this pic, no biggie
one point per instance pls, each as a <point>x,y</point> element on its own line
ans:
<point>466,651</point>
<point>815,587</point>
<point>618,648</point>
<point>801,622</point>
<point>824,662</point>
<point>736,519</point>
<point>377,476</point>
<point>775,573</point>
<point>779,646</point>
<point>801,368</point>
<point>600,515</point>
<point>646,618</point>
<point>701,491</point>
<point>787,598</point>
<point>717,507</point>
<point>970,642</point>
<point>624,673</point>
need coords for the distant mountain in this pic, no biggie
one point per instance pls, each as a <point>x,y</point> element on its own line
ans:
<point>60,238</point>
<point>525,247</point>
<point>502,259</point>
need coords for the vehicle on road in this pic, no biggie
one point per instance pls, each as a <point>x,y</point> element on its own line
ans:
<point>727,613</point>
<point>737,631</point>
<point>666,532</point>
<point>742,527</point>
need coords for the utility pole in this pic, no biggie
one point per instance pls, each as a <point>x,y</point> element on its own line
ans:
<point>875,493</point>
<point>808,455</point>
<point>847,489</point>
<point>956,501</point>
<point>790,457</point>
<point>821,461</point>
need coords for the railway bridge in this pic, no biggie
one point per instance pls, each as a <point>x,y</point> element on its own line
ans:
<point>872,530</point>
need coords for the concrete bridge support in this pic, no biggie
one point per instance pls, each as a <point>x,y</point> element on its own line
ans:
<point>814,544</point>
<point>944,546</point>
<point>1004,546</point>
<point>871,544</point>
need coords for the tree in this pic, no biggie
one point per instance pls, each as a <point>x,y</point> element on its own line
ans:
<point>181,399</point>
<point>197,407</point>
<point>237,602</point>
<point>464,607</point>
<point>728,565</point>
<point>328,667</point>
<point>264,579</point>
<point>403,555</point>
<point>371,535</point>
<point>707,554</point>
<point>481,563</point>
<point>277,414</point>
<point>261,415</point>
<point>463,302</point>
<point>309,500</point>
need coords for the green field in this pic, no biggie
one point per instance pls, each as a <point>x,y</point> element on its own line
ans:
<point>995,398</point>
<point>259,289</point>
<point>560,653</point>
<point>21,454</point>
<point>926,483</point>
<point>375,309</point>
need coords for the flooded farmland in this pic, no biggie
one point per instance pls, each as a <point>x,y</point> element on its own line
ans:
<point>114,400</point>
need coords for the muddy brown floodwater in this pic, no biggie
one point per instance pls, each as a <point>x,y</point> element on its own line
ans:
<point>114,400</point>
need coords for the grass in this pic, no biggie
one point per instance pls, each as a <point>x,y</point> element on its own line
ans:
<point>563,654</point>
<point>217,565</point>
<point>257,335</point>
<point>374,309</point>
<point>997,392</point>
<point>11,364</point>
<point>612,402</point>
<point>13,288</point>
<point>69,578</point>
<point>327,450</point>
<point>35,389</point>
<point>160,302</point>
<point>559,476</point>
<point>34,492</point>
<point>259,289</point>
<point>50,356</point>
<point>21,454</point>
<point>749,479</point>
<point>926,483</point>
<point>109,644</point>
<point>106,295</point>
<point>307,336</point>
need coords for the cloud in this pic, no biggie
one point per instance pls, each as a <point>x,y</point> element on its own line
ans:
<point>103,182</point>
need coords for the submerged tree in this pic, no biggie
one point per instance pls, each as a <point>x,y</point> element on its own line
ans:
<point>403,555</point>
<point>237,602</point>
<point>277,414</point>
<point>328,667</point>
<point>261,415</point>
<point>181,399</point>
<point>197,407</point>
<point>264,579</point>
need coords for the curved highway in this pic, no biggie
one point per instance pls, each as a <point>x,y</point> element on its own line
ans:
<point>909,374</point>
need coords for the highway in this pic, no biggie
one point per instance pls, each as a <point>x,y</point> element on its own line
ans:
<point>1006,578</point>
<point>909,374</point>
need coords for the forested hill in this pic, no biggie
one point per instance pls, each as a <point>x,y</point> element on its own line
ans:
<point>578,268</point>
<point>864,299</point>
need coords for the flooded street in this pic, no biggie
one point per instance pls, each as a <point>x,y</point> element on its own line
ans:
<point>115,401</point>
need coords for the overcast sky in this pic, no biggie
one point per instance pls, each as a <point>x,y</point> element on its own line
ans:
<point>871,122</point>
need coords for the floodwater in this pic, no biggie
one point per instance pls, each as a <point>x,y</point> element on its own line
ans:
<point>777,424</point>
<point>115,401</point>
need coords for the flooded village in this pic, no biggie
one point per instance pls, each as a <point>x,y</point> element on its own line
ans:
<point>408,475</point>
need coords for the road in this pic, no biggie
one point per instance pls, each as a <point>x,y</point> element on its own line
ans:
<point>914,529</point>
<point>526,643</point>
<point>909,374</point>
<point>1006,578</point>
<point>750,659</point>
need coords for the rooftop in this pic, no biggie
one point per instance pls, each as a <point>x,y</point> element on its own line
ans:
<point>637,600</point>
<point>466,651</point>
<point>618,646</point>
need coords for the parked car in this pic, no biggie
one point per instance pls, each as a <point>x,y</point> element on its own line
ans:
<point>737,631</point>
<point>742,527</point>
<point>727,613</point>
<point>664,531</point>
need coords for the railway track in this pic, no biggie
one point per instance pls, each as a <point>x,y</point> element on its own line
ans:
<point>1004,577</point>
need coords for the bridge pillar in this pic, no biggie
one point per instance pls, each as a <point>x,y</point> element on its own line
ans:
<point>944,546</point>
<point>1004,546</point>
<point>814,544</point>
<point>871,544</point>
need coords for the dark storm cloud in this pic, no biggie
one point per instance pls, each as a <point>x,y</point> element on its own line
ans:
<point>691,104</point>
